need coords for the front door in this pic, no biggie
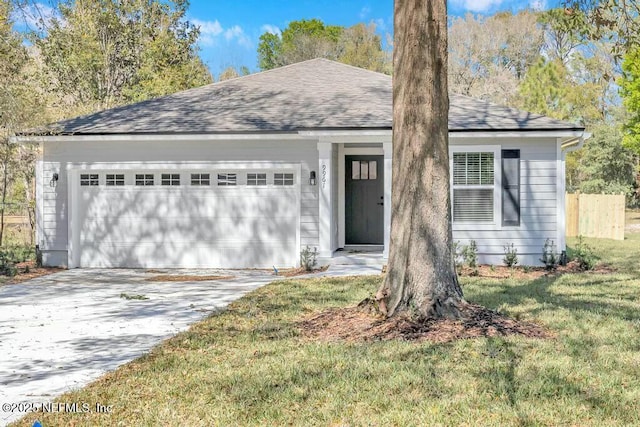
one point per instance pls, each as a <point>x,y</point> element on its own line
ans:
<point>364,200</point>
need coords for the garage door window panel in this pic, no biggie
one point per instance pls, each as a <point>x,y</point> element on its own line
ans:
<point>256,179</point>
<point>170,179</point>
<point>200,179</point>
<point>283,179</point>
<point>114,180</point>
<point>227,179</point>
<point>144,179</point>
<point>89,180</point>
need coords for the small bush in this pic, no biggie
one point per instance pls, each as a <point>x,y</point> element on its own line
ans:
<point>549,255</point>
<point>12,255</point>
<point>583,255</point>
<point>510,256</point>
<point>308,258</point>
<point>470,254</point>
<point>458,258</point>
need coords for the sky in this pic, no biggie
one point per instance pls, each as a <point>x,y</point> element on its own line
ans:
<point>230,30</point>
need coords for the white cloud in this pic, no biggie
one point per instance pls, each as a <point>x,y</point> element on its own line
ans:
<point>538,4</point>
<point>237,33</point>
<point>381,25</point>
<point>268,28</point>
<point>211,31</point>
<point>364,12</point>
<point>477,5</point>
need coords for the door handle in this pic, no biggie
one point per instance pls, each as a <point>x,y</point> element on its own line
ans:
<point>381,203</point>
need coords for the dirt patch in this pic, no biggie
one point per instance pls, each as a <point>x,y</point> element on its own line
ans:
<point>300,271</point>
<point>362,323</point>
<point>185,278</point>
<point>27,271</point>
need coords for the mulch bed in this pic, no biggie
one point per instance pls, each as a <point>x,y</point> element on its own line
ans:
<point>300,271</point>
<point>503,272</point>
<point>363,323</point>
<point>23,275</point>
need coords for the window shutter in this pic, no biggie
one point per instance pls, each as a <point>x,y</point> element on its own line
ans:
<point>510,187</point>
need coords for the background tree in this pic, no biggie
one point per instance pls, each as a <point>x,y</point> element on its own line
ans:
<point>421,277</point>
<point>232,72</point>
<point>630,90</point>
<point>489,56</point>
<point>358,45</point>
<point>606,165</point>
<point>19,108</point>
<point>100,54</point>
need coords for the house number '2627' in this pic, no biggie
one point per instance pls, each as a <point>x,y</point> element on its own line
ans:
<point>324,176</point>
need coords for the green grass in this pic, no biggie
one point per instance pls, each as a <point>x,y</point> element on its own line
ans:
<point>249,366</point>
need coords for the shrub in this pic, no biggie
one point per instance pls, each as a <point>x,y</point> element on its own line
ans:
<point>549,255</point>
<point>470,254</point>
<point>458,258</point>
<point>583,255</point>
<point>308,258</point>
<point>11,255</point>
<point>510,256</point>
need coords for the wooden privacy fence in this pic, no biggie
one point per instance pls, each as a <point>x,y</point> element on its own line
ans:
<point>595,215</point>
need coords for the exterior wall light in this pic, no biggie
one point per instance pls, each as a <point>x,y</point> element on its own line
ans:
<point>312,178</point>
<point>54,180</point>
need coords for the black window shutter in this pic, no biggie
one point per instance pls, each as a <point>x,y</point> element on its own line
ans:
<point>510,187</point>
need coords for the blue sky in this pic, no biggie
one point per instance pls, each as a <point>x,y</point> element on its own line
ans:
<point>230,29</point>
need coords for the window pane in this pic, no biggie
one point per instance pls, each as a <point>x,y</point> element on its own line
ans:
<point>472,205</point>
<point>364,170</point>
<point>288,179</point>
<point>473,168</point>
<point>373,170</point>
<point>459,168</point>
<point>355,169</point>
<point>282,178</point>
<point>226,179</point>
<point>486,169</point>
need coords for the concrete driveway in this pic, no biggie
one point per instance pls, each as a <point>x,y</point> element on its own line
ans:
<point>60,332</point>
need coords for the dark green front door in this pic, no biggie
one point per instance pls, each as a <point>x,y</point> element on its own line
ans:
<point>364,200</point>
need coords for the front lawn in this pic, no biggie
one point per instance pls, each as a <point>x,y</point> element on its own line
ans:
<point>251,366</point>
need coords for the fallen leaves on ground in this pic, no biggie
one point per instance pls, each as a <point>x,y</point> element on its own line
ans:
<point>363,323</point>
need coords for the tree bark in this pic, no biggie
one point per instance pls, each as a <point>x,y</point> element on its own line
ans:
<point>421,277</point>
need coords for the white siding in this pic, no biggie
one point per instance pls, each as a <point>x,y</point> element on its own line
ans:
<point>58,156</point>
<point>538,204</point>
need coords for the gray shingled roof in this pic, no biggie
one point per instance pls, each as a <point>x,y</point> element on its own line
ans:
<point>315,94</point>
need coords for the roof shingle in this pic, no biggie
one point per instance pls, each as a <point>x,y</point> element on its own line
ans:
<point>315,94</point>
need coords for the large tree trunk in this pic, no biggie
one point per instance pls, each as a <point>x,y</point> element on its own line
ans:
<point>421,277</point>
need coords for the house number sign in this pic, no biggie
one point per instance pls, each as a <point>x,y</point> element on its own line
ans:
<point>324,176</point>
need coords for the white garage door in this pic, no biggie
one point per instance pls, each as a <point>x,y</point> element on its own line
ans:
<point>204,218</point>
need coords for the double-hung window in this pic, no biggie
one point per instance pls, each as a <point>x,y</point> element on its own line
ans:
<point>473,189</point>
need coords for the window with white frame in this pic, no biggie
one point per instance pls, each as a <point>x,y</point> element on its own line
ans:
<point>89,179</point>
<point>227,179</point>
<point>199,179</point>
<point>473,179</point>
<point>144,179</point>
<point>283,179</point>
<point>256,179</point>
<point>114,179</point>
<point>171,179</point>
